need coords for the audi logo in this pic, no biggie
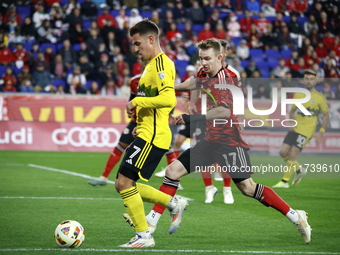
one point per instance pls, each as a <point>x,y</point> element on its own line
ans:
<point>87,137</point>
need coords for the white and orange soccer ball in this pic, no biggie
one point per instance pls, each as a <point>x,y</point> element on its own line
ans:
<point>69,234</point>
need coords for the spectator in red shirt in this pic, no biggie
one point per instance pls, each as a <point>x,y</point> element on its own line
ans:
<point>283,6</point>
<point>321,50</point>
<point>299,68</point>
<point>9,80</point>
<point>171,33</point>
<point>328,40</point>
<point>102,18</point>
<point>336,46</point>
<point>6,56</point>
<point>220,33</point>
<point>12,12</point>
<point>293,59</point>
<point>300,7</point>
<point>262,22</point>
<point>20,54</point>
<point>246,22</point>
<point>206,33</point>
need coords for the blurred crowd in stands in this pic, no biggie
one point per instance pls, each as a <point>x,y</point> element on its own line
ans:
<point>83,47</point>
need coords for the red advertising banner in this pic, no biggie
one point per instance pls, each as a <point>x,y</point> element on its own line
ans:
<point>18,135</point>
<point>271,142</point>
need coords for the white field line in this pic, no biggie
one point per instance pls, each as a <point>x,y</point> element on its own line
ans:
<point>51,198</point>
<point>65,172</point>
<point>76,174</point>
<point>165,251</point>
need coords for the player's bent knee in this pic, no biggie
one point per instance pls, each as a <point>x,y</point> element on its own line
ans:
<point>175,170</point>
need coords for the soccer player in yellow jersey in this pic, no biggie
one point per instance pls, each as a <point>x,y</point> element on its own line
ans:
<point>154,101</point>
<point>298,136</point>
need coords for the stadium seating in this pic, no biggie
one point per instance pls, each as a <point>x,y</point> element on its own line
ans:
<point>2,70</point>
<point>86,24</point>
<point>146,14</point>
<point>57,82</point>
<point>272,55</point>
<point>236,40</point>
<point>256,55</point>
<point>24,11</point>
<point>43,47</point>
<point>181,66</point>
<point>286,54</point>
<point>197,28</point>
<point>264,69</point>
<point>244,63</point>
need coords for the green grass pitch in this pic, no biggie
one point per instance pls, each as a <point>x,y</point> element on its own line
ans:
<point>33,201</point>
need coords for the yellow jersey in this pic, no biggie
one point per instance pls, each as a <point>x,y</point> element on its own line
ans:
<point>155,99</point>
<point>306,124</point>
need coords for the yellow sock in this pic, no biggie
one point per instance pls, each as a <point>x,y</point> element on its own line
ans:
<point>292,167</point>
<point>285,158</point>
<point>152,195</point>
<point>135,208</point>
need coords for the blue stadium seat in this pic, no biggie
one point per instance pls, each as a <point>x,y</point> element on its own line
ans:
<point>197,28</point>
<point>146,14</point>
<point>114,13</point>
<point>256,55</point>
<point>271,18</point>
<point>236,40</point>
<point>57,82</point>
<point>2,70</point>
<point>181,65</point>
<point>28,46</point>
<point>24,11</point>
<point>86,24</point>
<point>43,47</point>
<point>16,70</point>
<point>244,63</point>
<point>180,27</point>
<point>88,84</point>
<point>63,2</point>
<point>286,18</point>
<point>76,47</point>
<point>272,65</point>
<point>264,68</point>
<point>272,55</point>
<point>286,53</point>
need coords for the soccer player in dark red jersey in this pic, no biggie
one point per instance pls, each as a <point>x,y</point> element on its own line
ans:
<point>124,141</point>
<point>222,143</point>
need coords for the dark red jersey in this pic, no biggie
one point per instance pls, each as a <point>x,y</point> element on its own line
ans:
<point>228,134</point>
<point>133,91</point>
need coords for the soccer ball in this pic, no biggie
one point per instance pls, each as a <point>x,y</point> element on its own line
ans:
<point>69,234</point>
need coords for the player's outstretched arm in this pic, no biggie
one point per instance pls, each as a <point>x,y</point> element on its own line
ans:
<point>166,98</point>
<point>322,129</point>
<point>187,85</point>
<point>216,113</point>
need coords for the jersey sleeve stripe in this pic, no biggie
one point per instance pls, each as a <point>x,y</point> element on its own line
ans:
<point>166,88</point>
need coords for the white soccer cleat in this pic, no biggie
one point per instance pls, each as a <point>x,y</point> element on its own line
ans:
<point>177,213</point>
<point>303,227</point>
<point>281,184</point>
<point>218,176</point>
<point>228,195</point>
<point>101,181</point>
<point>139,242</point>
<point>161,174</point>
<point>210,193</point>
<point>299,176</point>
<point>180,187</point>
<point>128,219</point>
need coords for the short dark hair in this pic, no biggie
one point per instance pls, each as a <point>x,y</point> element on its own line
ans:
<point>211,43</point>
<point>145,27</point>
<point>310,72</point>
<point>225,44</point>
